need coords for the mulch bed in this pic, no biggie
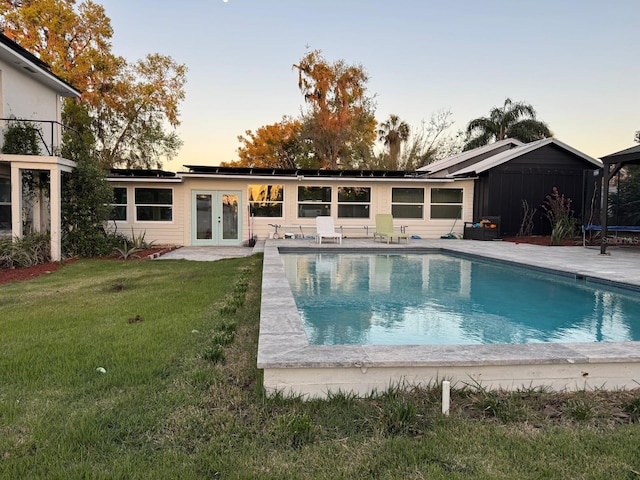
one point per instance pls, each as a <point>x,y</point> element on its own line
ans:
<point>20,274</point>
<point>544,240</point>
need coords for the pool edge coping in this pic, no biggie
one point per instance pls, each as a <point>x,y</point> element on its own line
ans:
<point>283,343</point>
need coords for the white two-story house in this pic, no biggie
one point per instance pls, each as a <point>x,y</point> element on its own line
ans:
<point>31,95</point>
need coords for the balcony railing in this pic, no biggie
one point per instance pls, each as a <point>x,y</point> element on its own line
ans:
<point>47,135</point>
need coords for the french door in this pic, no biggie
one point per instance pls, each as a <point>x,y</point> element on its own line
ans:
<point>217,218</point>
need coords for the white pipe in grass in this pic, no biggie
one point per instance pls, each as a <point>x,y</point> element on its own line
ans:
<point>446,397</point>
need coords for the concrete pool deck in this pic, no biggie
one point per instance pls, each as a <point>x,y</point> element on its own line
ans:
<point>293,366</point>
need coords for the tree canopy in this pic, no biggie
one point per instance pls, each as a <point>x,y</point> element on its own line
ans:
<point>133,107</point>
<point>278,145</point>
<point>339,122</point>
<point>338,130</point>
<point>512,120</point>
<point>393,133</point>
<point>426,143</point>
<point>130,122</point>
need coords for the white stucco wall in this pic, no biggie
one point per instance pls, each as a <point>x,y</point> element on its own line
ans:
<point>24,97</point>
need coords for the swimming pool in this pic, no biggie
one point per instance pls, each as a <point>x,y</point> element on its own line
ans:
<point>292,365</point>
<point>436,298</point>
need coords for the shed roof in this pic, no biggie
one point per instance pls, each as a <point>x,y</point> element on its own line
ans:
<point>488,163</point>
<point>628,155</point>
<point>455,162</point>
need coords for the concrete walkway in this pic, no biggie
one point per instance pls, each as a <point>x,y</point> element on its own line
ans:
<point>210,254</point>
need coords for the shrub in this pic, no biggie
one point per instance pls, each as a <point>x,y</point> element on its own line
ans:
<point>127,251</point>
<point>86,205</point>
<point>138,241</point>
<point>30,250</point>
<point>557,208</point>
<point>21,138</point>
<point>128,247</point>
<point>526,226</point>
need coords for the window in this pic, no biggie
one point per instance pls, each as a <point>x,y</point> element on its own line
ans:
<point>119,204</point>
<point>5,204</point>
<point>154,204</point>
<point>314,201</point>
<point>266,200</point>
<point>354,202</point>
<point>446,203</point>
<point>407,202</point>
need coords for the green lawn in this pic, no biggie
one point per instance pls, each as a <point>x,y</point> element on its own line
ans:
<point>181,396</point>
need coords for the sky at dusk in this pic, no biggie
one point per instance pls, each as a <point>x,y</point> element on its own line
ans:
<point>573,60</point>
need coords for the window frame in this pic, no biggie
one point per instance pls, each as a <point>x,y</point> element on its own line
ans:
<point>116,205</point>
<point>152,205</point>
<point>354,203</point>
<point>322,203</point>
<point>267,201</point>
<point>433,204</point>
<point>419,205</point>
<point>8,202</point>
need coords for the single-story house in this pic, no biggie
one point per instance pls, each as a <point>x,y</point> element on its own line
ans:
<point>207,205</point>
<point>227,206</point>
<point>31,94</point>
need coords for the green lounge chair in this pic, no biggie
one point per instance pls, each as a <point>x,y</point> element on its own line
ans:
<point>384,229</point>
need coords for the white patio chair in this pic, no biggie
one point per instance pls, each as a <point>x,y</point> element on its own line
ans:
<point>326,229</point>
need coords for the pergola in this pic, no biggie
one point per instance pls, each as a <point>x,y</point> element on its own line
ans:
<point>611,166</point>
<point>56,166</point>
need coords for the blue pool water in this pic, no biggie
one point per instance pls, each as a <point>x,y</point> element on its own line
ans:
<point>432,298</point>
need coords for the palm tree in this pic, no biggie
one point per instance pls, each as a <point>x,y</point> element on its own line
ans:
<point>513,120</point>
<point>393,133</point>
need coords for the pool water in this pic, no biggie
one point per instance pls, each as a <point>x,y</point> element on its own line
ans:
<point>433,298</point>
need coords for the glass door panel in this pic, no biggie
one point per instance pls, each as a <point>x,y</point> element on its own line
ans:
<point>229,210</point>
<point>204,216</point>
